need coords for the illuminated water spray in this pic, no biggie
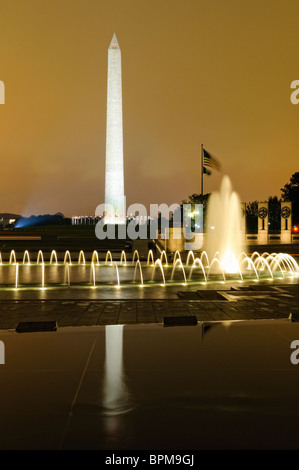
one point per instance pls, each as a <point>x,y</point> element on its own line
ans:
<point>224,227</point>
<point>226,265</point>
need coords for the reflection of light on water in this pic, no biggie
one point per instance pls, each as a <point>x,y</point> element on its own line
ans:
<point>224,266</point>
<point>115,397</point>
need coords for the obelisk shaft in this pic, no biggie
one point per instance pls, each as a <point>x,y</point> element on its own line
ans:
<point>114,177</point>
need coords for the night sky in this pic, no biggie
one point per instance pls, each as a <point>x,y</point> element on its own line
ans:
<point>212,72</point>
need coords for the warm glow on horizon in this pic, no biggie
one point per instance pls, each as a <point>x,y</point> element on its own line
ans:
<point>220,87</point>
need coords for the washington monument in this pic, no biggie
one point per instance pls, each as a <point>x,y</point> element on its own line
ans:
<point>114,176</point>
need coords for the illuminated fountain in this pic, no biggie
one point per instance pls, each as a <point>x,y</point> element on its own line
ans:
<point>17,275</point>
<point>40,257</point>
<point>138,266</point>
<point>163,255</point>
<point>67,258</point>
<point>115,268</point>
<point>150,258</point>
<point>53,257</point>
<point>158,263</point>
<point>95,257</point>
<point>43,276</point>
<point>190,268</point>
<point>123,258</point>
<point>197,263</point>
<point>178,264</point>
<point>81,259</point>
<point>223,261</point>
<point>109,257</point>
<point>26,257</point>
<point>12,257</point>
<point>135,254</point>
<point>93,275</point>
<point>67,275</point>
<point>223,234</point>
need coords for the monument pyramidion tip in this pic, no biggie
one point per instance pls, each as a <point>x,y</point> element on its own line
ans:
<point>114,43</point>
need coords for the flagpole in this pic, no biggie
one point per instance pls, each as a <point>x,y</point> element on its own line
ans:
<point>202,169</point>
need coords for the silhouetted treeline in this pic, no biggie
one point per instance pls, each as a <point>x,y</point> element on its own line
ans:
<point>45,219</point>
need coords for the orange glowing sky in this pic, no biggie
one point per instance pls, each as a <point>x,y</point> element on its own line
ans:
<point>196,71</point>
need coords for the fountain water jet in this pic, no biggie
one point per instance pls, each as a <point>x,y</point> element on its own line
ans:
<point>17,276</point>
<point>224,226</point>
<point>115,267</point>
<point>136,253</point>
<point>177,255</point>
<point>26,257</point>
<point>190,255</point>
<point>218,262</point>
<point>53,255</point>
<point>12,257</point>
<point>263,262</point>
<point>150,256</point>
<point>256,267</point>
<point>109,255</point>
<point>123,258</point>
<point>158,263</point>
<point>197,262</point>
<point>288,263</point>
<point>178,263</point>
<point>93,275</point>
<point>43,275</point>
<point>95,255</point>
<point>138,265</point>
<point>205,254</point>
<point>40,256</point>
<point>249,264</point>
<point>164,255</point>
<point>67,276</point>
<point>67,256</point>
<point>81,259</point>
<point>273,261</point>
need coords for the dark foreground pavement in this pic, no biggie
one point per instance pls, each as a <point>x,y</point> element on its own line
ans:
<point>79,307</point>
<point>226,385</point>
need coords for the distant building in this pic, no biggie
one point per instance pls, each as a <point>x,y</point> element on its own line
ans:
<point>8,220</point>
<point>85,219</point>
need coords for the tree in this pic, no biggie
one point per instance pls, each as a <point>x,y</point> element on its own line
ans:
<point>198,199</point>
<point>290,192</point>
<point>251,208</point>
<point>251,216</point>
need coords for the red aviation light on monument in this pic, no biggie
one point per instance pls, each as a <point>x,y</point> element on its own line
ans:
<point>114,43</point>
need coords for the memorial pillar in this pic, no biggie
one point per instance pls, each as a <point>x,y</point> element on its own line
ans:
<point>286,222</point>
<point>263,227</point>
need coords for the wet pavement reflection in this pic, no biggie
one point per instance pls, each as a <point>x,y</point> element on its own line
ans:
<point>216,385</point>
